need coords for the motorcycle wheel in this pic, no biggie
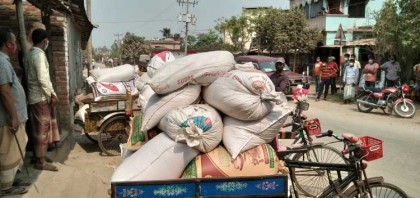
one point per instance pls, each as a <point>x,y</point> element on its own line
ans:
<point>363,107</point>
<point>405,111</point>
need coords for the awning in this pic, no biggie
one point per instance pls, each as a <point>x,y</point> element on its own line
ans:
<point>76,8</point>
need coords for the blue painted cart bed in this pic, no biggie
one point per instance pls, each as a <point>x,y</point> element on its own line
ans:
<point>260,186</point>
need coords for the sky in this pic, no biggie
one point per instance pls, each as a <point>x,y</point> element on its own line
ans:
<point>147,17</point>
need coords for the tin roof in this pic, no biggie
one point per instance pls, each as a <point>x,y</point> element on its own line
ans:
<point>76,8</point>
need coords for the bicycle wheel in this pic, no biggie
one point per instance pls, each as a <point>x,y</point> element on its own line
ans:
<point>312,182</point>
<point>381,190</point>
<point>112,133</point>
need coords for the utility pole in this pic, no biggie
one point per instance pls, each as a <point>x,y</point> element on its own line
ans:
<point>89,44</point>
<point>187,18</point>
<point>118,35</point>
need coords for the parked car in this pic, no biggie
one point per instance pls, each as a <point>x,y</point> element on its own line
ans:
<point>268,65</point>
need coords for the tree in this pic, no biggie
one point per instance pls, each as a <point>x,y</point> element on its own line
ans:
<point>115,50</point>
<point>166,32</point>
<point>397,27</point>
<point>208,41</point>
<point>132,47</point>
<point>177,37</point>
<point>191,41</point>
<point>236,29</point>
<point>285,31</point>
<point>100,53</point>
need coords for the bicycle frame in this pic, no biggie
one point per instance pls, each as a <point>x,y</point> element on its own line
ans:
<point>338,186</point>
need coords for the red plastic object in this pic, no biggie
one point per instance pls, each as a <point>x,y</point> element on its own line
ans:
<point>373,148</point>
<point>312,126</point>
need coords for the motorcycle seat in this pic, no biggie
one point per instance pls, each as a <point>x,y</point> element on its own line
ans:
<point>350,137</point>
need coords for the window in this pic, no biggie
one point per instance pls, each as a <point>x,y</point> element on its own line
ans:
<point>335,7</point>
<point>357,8</point>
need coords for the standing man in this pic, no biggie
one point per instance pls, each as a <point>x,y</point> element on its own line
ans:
<point>356,62</point>
<point>317,67</point>
<point>325,74</point>
<point>279,78</point>
<point>393,69</point>
<point>41,99</point>
<point>371,72</point>
<point>333,64</point>
<point>13,116</point>
<point>351,74</point>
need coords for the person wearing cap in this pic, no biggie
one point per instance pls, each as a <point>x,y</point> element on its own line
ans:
<point>41,101</point>
<point>279,78</point>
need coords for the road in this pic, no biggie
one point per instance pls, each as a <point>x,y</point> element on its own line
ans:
<point>400,164</point>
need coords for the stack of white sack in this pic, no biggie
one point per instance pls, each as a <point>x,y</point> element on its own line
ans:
<point>113,83</point>
<point>160,158</point>
<point>243,94</point>
<point>240,136</point>
<point>253,113</point>
<point>199,126</point>
<point>199,69</point>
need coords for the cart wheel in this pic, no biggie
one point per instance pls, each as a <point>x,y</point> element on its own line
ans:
<point>112,133</point>
<point>93,136</point>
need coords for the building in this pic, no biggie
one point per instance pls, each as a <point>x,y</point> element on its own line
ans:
<point>69,30</point>
<point>249,42</point>
<point>356,18</point>
<point>167,43</point>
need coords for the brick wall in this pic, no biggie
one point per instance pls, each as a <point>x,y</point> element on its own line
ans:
<point>65,73</point>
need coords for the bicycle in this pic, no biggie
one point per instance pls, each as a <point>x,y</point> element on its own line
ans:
<point>304,149</point>
<point>368,150</point>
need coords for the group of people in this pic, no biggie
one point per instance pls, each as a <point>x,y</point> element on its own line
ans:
<point>325,75</point>
<point>18,105</point>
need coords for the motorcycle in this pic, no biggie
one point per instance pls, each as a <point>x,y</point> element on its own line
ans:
<point>391,98</point>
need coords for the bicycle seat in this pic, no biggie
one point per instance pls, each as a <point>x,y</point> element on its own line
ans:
<point>350,137</point>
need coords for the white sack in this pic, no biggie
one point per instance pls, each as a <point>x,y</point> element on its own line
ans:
<point>115,74</point>
<point>79,118</point>
<point>159,159</point>
<point>158,61</point>
<point>159,105</point>
<point>244,95</point>
<point>103,91</point>
<point>247,65</point>
<point>239,136</point>
<point>199,126</point>
<point>199,69</point>
<point>145,91</point>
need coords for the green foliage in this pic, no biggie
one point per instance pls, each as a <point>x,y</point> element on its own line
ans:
<point>208,41</point>
<point>115,50</point>
<point>132,47</point>
<point>285,31</point>
<point>101,52</point>
<point>397,28</point>
<point>238,29</point>
<point>166,32</point>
